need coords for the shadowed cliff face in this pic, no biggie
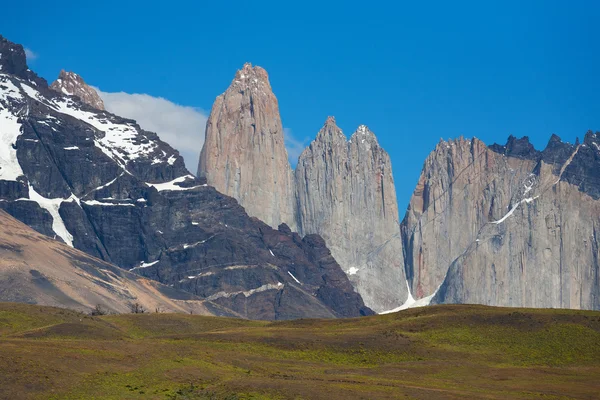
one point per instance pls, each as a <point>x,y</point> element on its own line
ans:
<point>506,225</point>
<point>101,184</point>
<point>35,269</point>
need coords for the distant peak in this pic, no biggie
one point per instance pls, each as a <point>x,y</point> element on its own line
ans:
<point>330,131</point>
<point>68,75</point>
<point>12,58</point>
<point>362,134</point>
<point>13,61</point>
<point>71,84</point>
<point>248,71</point>
<point>515,147</point>
<point>363,130</point>
<point>251,77</point>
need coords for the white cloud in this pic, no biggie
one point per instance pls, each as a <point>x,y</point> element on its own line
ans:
<point>180,126</point>
<point>294,146</point>
<point>30,54</point>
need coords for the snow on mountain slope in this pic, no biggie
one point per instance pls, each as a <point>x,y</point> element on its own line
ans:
<point>105,186</point>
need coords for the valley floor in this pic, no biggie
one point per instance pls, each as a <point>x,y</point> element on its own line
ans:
<point>438,352</point>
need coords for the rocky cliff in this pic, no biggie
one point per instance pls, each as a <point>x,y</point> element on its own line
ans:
<point>244,155</point>
<point>342,190</point>
<point>71,84</point>
<point>506,225</point>
<point>101,184</point>
<point>35,269</point>
<point>346,194</point>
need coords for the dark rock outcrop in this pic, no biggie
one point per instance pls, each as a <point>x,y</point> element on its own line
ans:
<point>103,185</point>
<point>35,269</point>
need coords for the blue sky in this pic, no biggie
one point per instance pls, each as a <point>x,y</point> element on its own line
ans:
<point>414,72</point>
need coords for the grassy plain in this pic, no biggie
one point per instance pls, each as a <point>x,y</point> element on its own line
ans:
<point>438,352</point>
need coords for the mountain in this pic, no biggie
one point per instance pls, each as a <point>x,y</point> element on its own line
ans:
<point>346,194</point>
<point>342,190</point>
<point>503,225</point>
<point>35,269</point>
<point>101,184</point>
<point>244,155</point>
<point>71,84</point>
<point>506,225</point>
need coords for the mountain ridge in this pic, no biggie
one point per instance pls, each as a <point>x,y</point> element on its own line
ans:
<point>105,186</point>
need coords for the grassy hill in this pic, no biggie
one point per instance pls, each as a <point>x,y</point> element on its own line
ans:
<point>445,352</point>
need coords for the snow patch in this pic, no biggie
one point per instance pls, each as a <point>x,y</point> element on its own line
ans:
<point>99,203</point>
<point>411,302</point>
<point>52,206</point>
<point>247,293</point>
<point>564,167</point>
<point>120,142</point>
<point>271,251</point>
<point>292,275</point>
<point>512,210</point>
<point>172,184</point>
<point>10,129</point>
<point>352,271</point>
<point>187,246</point>
<point>144,265</point>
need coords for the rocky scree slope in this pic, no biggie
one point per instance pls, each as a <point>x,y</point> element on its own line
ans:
<point>103,185</point>
<point>342,190</point>
<point>36,269</point>
<point>506,225</point>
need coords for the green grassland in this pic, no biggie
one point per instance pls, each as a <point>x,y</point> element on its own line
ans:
<point>445,352</point>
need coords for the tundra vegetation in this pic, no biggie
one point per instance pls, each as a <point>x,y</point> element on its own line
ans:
<point>446,351</point>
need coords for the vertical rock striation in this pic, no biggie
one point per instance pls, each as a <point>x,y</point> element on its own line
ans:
<point>506,225</point>
<point>346,194</point>
<point>342,190</point>
<point>244,155</point>
<point>71,84</point>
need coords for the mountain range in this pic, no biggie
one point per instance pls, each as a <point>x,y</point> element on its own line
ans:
<point>101,184</point>
<point>503,225</point>
<point>248,236</point>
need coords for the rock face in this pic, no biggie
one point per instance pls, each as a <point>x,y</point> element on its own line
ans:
<point>71,84</point>
<point>101,184</point>
<point>341,190</point>
<point>346,194</point>
<point>506,225</point>
<point>35,269</point>
<point>244,155</point>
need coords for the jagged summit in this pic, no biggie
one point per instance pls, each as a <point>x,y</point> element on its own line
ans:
<point>12,58</point>
<point>517,147</point>
<point>244,154</point>
<point>13,61</point>
<point>71,84</point>
<point>251,77</point>
<point>346,193</point>
<point>362,134</point>
<point>330,132</point>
